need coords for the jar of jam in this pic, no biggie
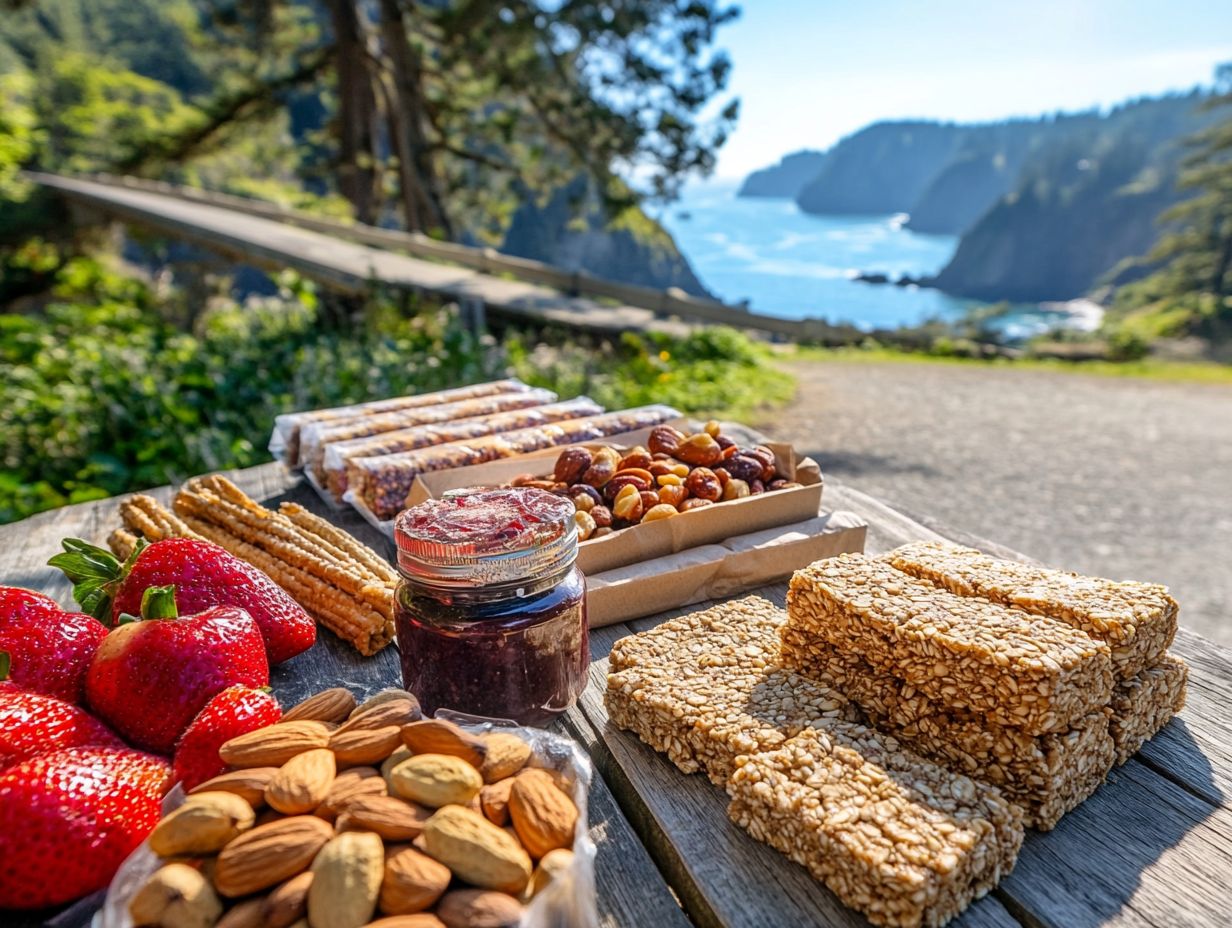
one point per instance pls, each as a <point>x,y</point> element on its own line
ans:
<point>491,608</point>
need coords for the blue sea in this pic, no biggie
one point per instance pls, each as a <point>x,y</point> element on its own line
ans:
<point>791,264</point>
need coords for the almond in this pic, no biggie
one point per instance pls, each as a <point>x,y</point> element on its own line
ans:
<point>552,777</point>
<point>437,736</point>
<point>269,854</point>
<point>506,755</point>
<point>326,706</point>
<point>475,850</point>
<point>435,780</point>
<point>248,784</point>
<point>412,882</point>
<point>392,819</point>
<point>494,800</point>
<point>544,817</point>
<point>287,903</point>
<point>246,914</point>
<point>303,782</point>
<point>348,785</point>
<point>419,920</point>
<point>393,760</point>
<point>397,710</point>
<point>176,896</point>
<point>346,881</point>
<point>478,908</point>
<point>364,745</point>
<point>554,865</point>
<point>274,745</point>
<point>203,824</point>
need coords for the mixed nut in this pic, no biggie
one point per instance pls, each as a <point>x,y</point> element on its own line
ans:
<point>343,816</point>
<point>673,473</point>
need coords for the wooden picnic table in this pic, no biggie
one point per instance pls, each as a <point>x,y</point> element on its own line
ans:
<point>1153,847</point>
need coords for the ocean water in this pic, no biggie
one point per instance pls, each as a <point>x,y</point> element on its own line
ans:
<point>795,265</point>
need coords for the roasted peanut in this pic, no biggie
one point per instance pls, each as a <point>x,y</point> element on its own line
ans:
<point>671,466</point>
<point>602,516</point>
<point>572,463</point>
<point>735,489</point>
<point>522,480</point>
<point>703,483</point>
<point>585,524</point>
<point>664,440</point>
<point>673,495</point>
<point>699,449</point>
<point>712,428</point>
<point>669,480</point>
<point>661,511</point>
<point>628,504</point>
<point>722,474</point>
<point>694,503</point>
<point>638,457</point>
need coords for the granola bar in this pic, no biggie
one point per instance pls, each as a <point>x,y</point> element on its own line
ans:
<point>1144,705</point>
<point>339,453</point>
<point>383,482</point>
<point>284,443</point>
<point>1048,775</point>
<point>705,688</point>
<point>315,437</point>
<point>901,840</point>
<point>1020,670</point>
<point>1137,620</point>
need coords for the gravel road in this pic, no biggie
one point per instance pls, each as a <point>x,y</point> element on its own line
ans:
<point>1111,476</point>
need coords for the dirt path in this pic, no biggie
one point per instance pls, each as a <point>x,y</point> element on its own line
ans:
<point>1116,477</point>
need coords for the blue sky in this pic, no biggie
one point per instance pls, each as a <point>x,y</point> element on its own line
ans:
<point>811,71</point>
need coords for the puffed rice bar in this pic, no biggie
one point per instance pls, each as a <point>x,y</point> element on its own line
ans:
<point>706,688</point>
<point>409,439</point>
<point>1137,620</point>
<point>1144,705</point>
<point>901,840</point>
<point>1048,775</point>
<point>1020,670</point>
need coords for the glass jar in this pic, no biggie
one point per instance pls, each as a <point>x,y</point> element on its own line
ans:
<point>491,608</point>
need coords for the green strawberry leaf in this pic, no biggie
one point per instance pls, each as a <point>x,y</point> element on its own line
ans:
<point>95,573</point>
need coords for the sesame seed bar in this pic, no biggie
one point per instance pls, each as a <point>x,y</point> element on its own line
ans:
<point>1019,670</point>
<point>1137,620</point>
<point>705,688</point>
<point>315,437</point>
<point>897,838</point>
<point>1144,705</point>
<point>1048,775</point>
<point>409,439</point>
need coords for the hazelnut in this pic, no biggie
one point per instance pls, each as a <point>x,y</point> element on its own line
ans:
<point>638,457</point>
<point>664,440</point>
<point>699,449</point>
<point>572,464</point>
<point>650,499</point>
<point>703,483</point>
<point>673,495</point>
<point>626,479</point>
<point>600,472</point>
<point>602,516</point>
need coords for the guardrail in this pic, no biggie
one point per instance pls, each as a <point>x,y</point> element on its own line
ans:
<point>669,302</point>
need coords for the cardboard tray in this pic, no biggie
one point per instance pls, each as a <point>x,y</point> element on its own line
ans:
<point>653,540</point>
<point>737,564</point>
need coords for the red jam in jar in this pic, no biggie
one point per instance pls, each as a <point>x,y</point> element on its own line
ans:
<point>491,609</point>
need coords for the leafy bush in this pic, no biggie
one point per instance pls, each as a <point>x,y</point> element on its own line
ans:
<point>101,394</point>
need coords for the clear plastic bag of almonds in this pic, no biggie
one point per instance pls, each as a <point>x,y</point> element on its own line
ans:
<point>567,901</point>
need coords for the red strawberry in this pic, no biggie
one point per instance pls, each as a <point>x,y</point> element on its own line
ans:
<point>203,575</point>
<point>51,648</point>
<point>69,818</point>
<point>152,676</point>
<point>235,711</point>
<point>31,723</point>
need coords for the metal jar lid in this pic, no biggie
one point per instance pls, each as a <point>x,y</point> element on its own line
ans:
<point>486,537</point>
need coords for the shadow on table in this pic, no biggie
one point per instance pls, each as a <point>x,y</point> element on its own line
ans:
<point>1091,866</point>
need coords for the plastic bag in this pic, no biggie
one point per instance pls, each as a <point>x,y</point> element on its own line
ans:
<point>567,902</point>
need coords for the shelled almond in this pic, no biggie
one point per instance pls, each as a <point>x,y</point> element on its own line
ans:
<point>348,816</point>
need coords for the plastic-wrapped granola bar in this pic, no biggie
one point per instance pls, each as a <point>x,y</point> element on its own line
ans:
<point>315,437</point>
<point>339,453</point>
<point>284,442</point>
<point>381,484</point>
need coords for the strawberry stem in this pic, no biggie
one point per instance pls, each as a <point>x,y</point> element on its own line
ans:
<point>158,602</point>
<point>5,663</point>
